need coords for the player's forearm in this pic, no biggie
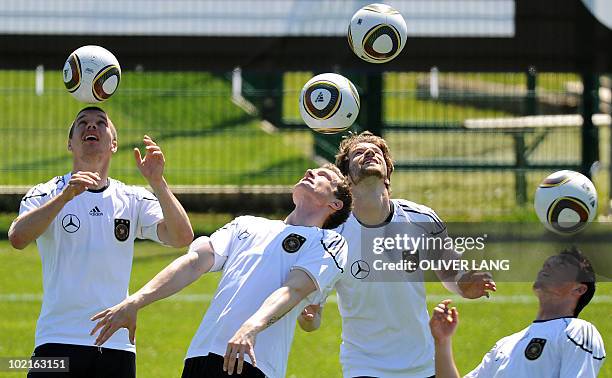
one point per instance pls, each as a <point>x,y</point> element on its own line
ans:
<point>445,362</point>
<point>449,280</point>
<point>179,274</point>
<point>29,226</point>
<point>279,303</point>
<point>450,277</point>
<point>451,285</point>
<point>178,231</point>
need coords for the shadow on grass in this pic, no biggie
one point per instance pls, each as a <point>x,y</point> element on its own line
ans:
<point>295,165</point>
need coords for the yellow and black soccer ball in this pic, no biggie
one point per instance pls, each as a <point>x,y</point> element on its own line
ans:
<point>565,202</point>
<point>91,74</point>
<point>377,33</point>
<point>329,103</point>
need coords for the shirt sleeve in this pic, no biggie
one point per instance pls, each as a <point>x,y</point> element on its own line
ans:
<point>223,238</point>
<point>582,351</point>
<point>150,214</point>
<point>486,368</point>
<point>324,262</point>
<point>202,243</point>
<point>34,198</point>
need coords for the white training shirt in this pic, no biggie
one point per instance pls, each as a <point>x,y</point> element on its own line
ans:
<point>260,254</point>
<point>385,325</point>
<point>86,255</point>
<point>560,348</point>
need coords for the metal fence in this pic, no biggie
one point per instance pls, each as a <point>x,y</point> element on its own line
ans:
<point>218,130</point>
<point>457,139</point>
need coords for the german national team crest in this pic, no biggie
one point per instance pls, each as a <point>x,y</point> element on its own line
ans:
<point>122,229</point>
<point>534,348</point>
<point>293,242</point>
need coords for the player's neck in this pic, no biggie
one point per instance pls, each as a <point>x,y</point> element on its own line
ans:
<point>554,309</point>
<point>371,202</point>
<point>304,216</point>
<point>99,167</point>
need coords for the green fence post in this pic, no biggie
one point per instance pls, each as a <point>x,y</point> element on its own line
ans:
<point>266,95</point>
<point>590,134</point>
<point>520,150</point>
<point>326,145</point>
<point>370,114</point>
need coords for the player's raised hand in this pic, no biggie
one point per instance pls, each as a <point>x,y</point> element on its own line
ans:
<point>80,182</point>
<point>110,320</point>
<point>476,284</point>
<point>444,320</point>
<point>152,165</point>
<point>242,341</point>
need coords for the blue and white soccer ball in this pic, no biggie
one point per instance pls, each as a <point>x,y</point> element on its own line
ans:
<point>329,103</point>
<point>377,33</point>
<point>565,202</point>
<point>92,74</point>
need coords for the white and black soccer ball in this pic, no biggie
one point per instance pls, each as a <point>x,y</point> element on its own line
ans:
<point>92,74</point>
<point>329,103</point>
<point>377,33</point>
<point>565,202</point>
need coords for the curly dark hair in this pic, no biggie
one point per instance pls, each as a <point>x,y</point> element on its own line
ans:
<point>352,140</point>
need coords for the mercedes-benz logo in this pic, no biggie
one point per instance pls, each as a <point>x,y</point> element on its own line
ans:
<point>71,223</point>
<point>360,269</point>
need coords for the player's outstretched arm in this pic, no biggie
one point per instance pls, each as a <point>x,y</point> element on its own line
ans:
<point>297,286</point>
<point>175,229</point>
<point>29,226</point>
<point>443,324</point>
<point>180,273</point>
<point>310,318</point>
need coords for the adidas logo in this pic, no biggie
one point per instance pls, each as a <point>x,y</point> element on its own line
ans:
<point>320,97</point>
<point>95,212</point>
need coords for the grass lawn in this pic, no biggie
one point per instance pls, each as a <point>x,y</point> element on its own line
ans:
<point>166,328</point>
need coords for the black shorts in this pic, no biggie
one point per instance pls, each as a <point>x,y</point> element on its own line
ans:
<point>88,361</point>
<point>211,366</point>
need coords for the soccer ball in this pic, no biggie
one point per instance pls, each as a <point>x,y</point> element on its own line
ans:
<point>91,74</point>
<point>566,202</point>
<point>377,33</point>
<point>329,103</point>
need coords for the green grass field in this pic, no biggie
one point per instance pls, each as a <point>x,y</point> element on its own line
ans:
<point>166,328</point>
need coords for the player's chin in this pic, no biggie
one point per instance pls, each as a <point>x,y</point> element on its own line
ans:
<point>371,171</point>
<point>303,189</point>
<point>302,185</point>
